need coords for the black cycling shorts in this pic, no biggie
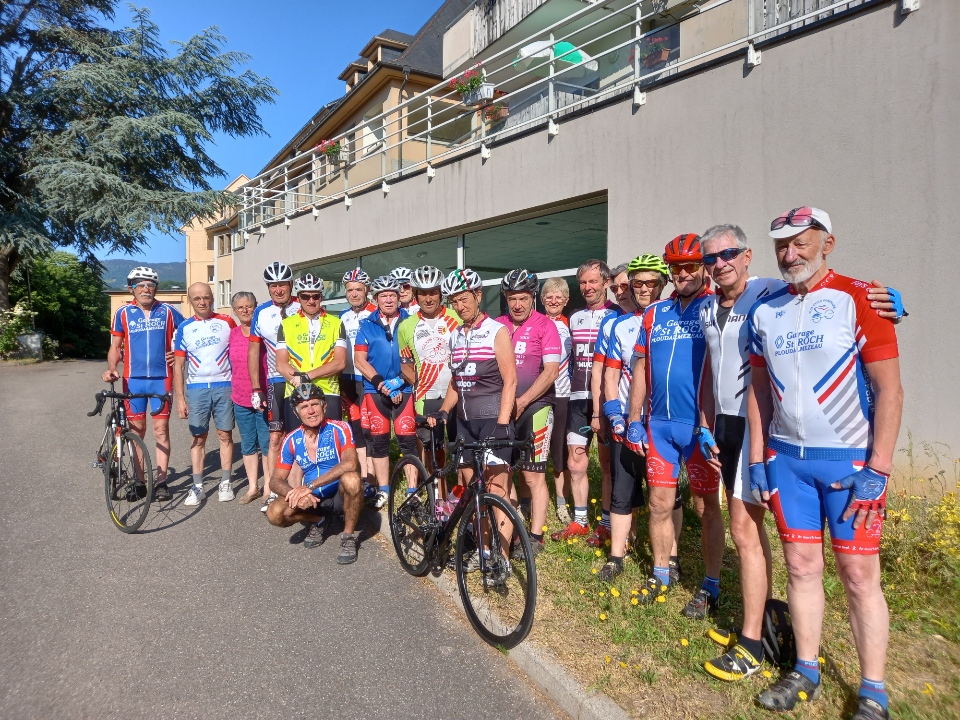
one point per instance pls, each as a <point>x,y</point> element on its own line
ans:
<point>729,431</point>
<point>280,416</point>
<point>482,429</point>
<point>558,440</point>
<point>629,472</point>
<point>441,433</point>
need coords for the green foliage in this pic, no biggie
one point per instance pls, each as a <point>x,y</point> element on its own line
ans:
<point>13,323</point>
<point>69,303</point>
<point>104,133</point>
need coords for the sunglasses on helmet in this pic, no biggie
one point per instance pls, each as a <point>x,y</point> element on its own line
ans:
<point>798,217</point>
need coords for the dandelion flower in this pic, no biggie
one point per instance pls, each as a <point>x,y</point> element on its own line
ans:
<point>603,616</point>
<point>582,591</point>
<point>607,658</point>
<point>598,553</point>
<point>661,598</point>
<point>602,594</point>
<point>634,601</point>
<point>593,570</point>
<point>622,664</point>
<point>684,642</point>
<point>569,559</point>
<point>767,674</point>
<point>634,592</point>
<point>593,501</point>
<point>614,592</point>
<point>544,528</point>
<point>599,518</point>
<point>927,689</point>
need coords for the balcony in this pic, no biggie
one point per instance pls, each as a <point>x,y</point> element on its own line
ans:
<point>558,60</point>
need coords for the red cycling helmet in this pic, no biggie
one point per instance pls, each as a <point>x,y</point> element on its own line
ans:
<point>683,248</point>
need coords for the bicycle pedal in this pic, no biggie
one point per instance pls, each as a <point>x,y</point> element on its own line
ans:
<point>97,463</point>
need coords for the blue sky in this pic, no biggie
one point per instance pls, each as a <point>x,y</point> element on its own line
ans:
<point>301,46</point>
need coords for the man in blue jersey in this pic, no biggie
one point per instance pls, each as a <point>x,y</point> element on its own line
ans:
<point>324,450</point>
<point>142,335</point>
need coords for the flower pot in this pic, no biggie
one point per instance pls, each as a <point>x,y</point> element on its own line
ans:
<point>479,95</point>
<point>656,58</point>
<point>339,156</point>
<point>496,114</point>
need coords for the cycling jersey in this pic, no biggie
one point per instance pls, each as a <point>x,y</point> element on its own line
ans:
<point>351,324</point>
<point>310,344</point>
<point>561,387</point>
<point>333,439</point>
<point>473,364</point>
<point>413,308</point>
<point>263,329</point>
<point>147,337</point>
<point>584,329</point>
<point>672,342</point>
<point>619,353</point>
<point>535,343</point>
<point>382,347</point>
<point>205,343</point>
<point>814,347</point>
<point>425,343</point>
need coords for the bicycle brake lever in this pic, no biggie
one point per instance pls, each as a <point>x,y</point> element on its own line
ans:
<point>100,401</point>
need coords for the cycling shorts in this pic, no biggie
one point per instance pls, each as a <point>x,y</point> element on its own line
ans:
<point>471,431</point>
<point>137,407</point>
<point>351,398</point>
<point>558,439</point>
<point>280,417</point>
<point>801,499</point>
<point>629,474</point>
<point>669,443</point>
<point>441,433</point>
<point>730,433</point>
<point>378,412</point>
<point>536,423</point>
<point>579,414</point>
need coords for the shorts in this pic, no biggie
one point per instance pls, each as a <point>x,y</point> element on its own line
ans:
<point>801,499</point>
<point>669,443</point>
<point>378,412</point>
<point>558,439</point>
<point>579,415</point>
<point>206,401</point>
<point>536,423</point>
<point>730,432</point>
<point>280,417</point>
<point>351,400</point>
<point>137,408</point>
<point>629,471</point>
<point>471,431</point>
<point>254,433</point>
<point>441,433</point>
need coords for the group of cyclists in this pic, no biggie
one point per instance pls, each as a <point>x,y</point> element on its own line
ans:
<point>784,392</point>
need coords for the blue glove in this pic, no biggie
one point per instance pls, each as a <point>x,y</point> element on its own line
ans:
<point>869,490</point>
<point>897,301</point>
<point>636,437</point>
<point>614,412</point>
<point>758,481</point>
<point>707,443</point>
<point>392,384</point>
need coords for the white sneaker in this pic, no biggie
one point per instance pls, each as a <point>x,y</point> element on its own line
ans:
<point>226,492</point>
<point>194,496</point>
<point>266,503</point>
<point>381,500</point>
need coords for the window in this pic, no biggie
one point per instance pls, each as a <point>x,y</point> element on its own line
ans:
<point>223,244</point>
<point>439,253</point>
<point>209,242</point>
<point>237,239</point>
<point>332,275</point>
<point>224,293</point>
<point>210,273</point>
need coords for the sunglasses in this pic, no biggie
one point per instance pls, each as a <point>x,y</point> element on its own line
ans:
<point>622,287</point>
<point>710,259</point>
<point>798,217</point>
<point>690,268</point>
<point>310,297</point>
<point>406,286</point>
<point>145,286</point>
<point>637,284</point>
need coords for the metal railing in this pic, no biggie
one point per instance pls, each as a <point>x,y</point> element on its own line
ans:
<point>436,125</point>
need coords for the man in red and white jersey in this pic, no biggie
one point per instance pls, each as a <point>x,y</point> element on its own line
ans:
<point>356,286</point>
<point>824,409</point>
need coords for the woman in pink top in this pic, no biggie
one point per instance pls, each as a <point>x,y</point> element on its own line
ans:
<point>254,434</point>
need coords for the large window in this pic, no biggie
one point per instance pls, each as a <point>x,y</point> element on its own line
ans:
<point>439,253</point>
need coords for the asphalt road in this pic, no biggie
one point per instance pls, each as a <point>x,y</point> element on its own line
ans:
<point>208,612</point>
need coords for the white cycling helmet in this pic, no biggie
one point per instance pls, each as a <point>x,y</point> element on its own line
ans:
<point>384,283</point>
<point>401,274</point>
<point>308,283</point>
<point>356,275</point>
<point>142,273</point>
<point>426,277</point>
<point>460,280</point>
<point>277,272</point>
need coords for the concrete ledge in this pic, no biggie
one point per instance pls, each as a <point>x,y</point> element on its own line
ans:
<point>548,674</point>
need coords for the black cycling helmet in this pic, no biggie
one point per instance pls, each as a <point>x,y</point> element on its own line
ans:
<point>306,390</point>
<point>519,280</point>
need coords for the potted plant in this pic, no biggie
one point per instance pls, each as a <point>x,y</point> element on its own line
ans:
<point>656,52</point>
<point>499,110</point>
<point>335,150</point>
<point>472,86</point>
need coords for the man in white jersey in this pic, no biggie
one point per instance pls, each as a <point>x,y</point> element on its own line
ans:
<point>356,286</point>
<point>727,259</point>
<point>554,294</point>
<point>270,391</point>
<point>404,276</point>
<point>202,346</point>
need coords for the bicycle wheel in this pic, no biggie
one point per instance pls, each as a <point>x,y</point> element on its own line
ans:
<point>412,516</point>
<point>501,596</point>
<point>128,483</point>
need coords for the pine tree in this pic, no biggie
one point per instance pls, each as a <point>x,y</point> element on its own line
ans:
<point>104,133</point>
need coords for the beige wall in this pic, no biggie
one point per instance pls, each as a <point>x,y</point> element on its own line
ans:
<point>176,298</point>
<point>873,139</point>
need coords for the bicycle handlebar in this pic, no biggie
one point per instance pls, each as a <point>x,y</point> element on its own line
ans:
<point>102,396</point>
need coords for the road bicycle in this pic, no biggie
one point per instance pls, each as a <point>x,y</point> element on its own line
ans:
<point>492,555</point>
<point>126,463</point>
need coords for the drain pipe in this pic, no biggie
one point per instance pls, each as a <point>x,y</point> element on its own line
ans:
<point>406,76</point>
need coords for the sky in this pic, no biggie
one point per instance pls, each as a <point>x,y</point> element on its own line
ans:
<point>301,46</point>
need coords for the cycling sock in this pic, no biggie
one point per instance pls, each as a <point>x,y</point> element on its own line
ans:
<point>411,491</point>
<point>198,479</point>
<point>810,669</point>
<point>605,518</point>
<point>580,514</point>
<point>662,574</point>
<point>754,647</point>
<point>874,690</point>
<point>225,476</point>
<point>712,586</point>
<point>561,501</point>
<point>385,488</point>
<point>538,538</point>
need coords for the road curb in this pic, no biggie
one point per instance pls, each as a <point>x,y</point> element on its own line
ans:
<point>546,672</point>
